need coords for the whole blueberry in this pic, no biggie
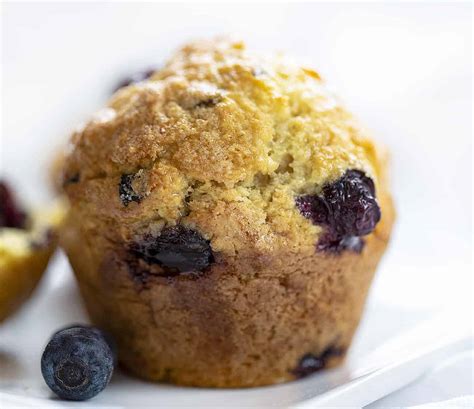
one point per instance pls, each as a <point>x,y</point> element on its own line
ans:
<point>77,363</point>
<point>99,333</point>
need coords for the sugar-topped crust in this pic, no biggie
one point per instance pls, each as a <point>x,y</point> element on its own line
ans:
<point>220,130</point>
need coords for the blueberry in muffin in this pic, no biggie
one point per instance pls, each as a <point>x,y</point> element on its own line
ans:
<point>135,78</point>
<point>227,216</point>
<point>27,241</point>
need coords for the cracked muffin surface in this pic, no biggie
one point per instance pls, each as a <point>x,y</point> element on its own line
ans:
<point>227,215</point>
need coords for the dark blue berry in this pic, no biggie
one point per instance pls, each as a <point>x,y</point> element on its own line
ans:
<point>77,363</point>
<point>11,214</point>
<point>310,363</point>
<point>307,365</point>
<point>100,334</point>
<point>347,209</point>
<point>126,192</point>
<point>135,77</point>
<point>70,180</point>
<point>177,249</point>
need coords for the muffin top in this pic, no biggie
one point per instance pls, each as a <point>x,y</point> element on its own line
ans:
<point>224,142</point>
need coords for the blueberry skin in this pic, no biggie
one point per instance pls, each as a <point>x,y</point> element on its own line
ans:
<point>126,192</point>
<point>77,363</point>
<point>310,363</point>
<point>346,209</point>
<point>177,249</point>
<point>100,333</point>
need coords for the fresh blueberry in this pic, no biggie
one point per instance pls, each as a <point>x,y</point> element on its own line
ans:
<point>177,249</point>
<point>135,77</point>
<point>77,363</point>
<point>11,214</point>
<point>100,333</point>
<point>310,363</point>
<point>346,209</point>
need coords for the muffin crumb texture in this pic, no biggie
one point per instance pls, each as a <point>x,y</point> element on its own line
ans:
<point>27,241</point>
<point>227,215</point>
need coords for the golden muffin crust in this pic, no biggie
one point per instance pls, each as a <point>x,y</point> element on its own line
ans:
<point>217,148</point>
<point>215,128</point>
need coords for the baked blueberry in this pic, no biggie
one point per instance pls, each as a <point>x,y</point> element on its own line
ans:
<point>178,249</point>
<point>310,363</point>
<point>11,214</point>
<point>307,365</point>
<point>346,209</point>
<point>336,245</point>
<point>70,180</point>
<point>126,192</point>
<point>135,77</point>
<point>77,363</point>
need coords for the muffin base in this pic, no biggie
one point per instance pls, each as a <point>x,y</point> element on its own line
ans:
<point>243,322</point>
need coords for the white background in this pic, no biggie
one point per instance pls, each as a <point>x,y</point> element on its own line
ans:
<point>405,69</point>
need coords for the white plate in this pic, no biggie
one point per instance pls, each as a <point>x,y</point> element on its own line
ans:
<point>384,357</point>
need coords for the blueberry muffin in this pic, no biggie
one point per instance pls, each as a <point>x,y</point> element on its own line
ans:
<point>27,241</point>
<point>227,216</point>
